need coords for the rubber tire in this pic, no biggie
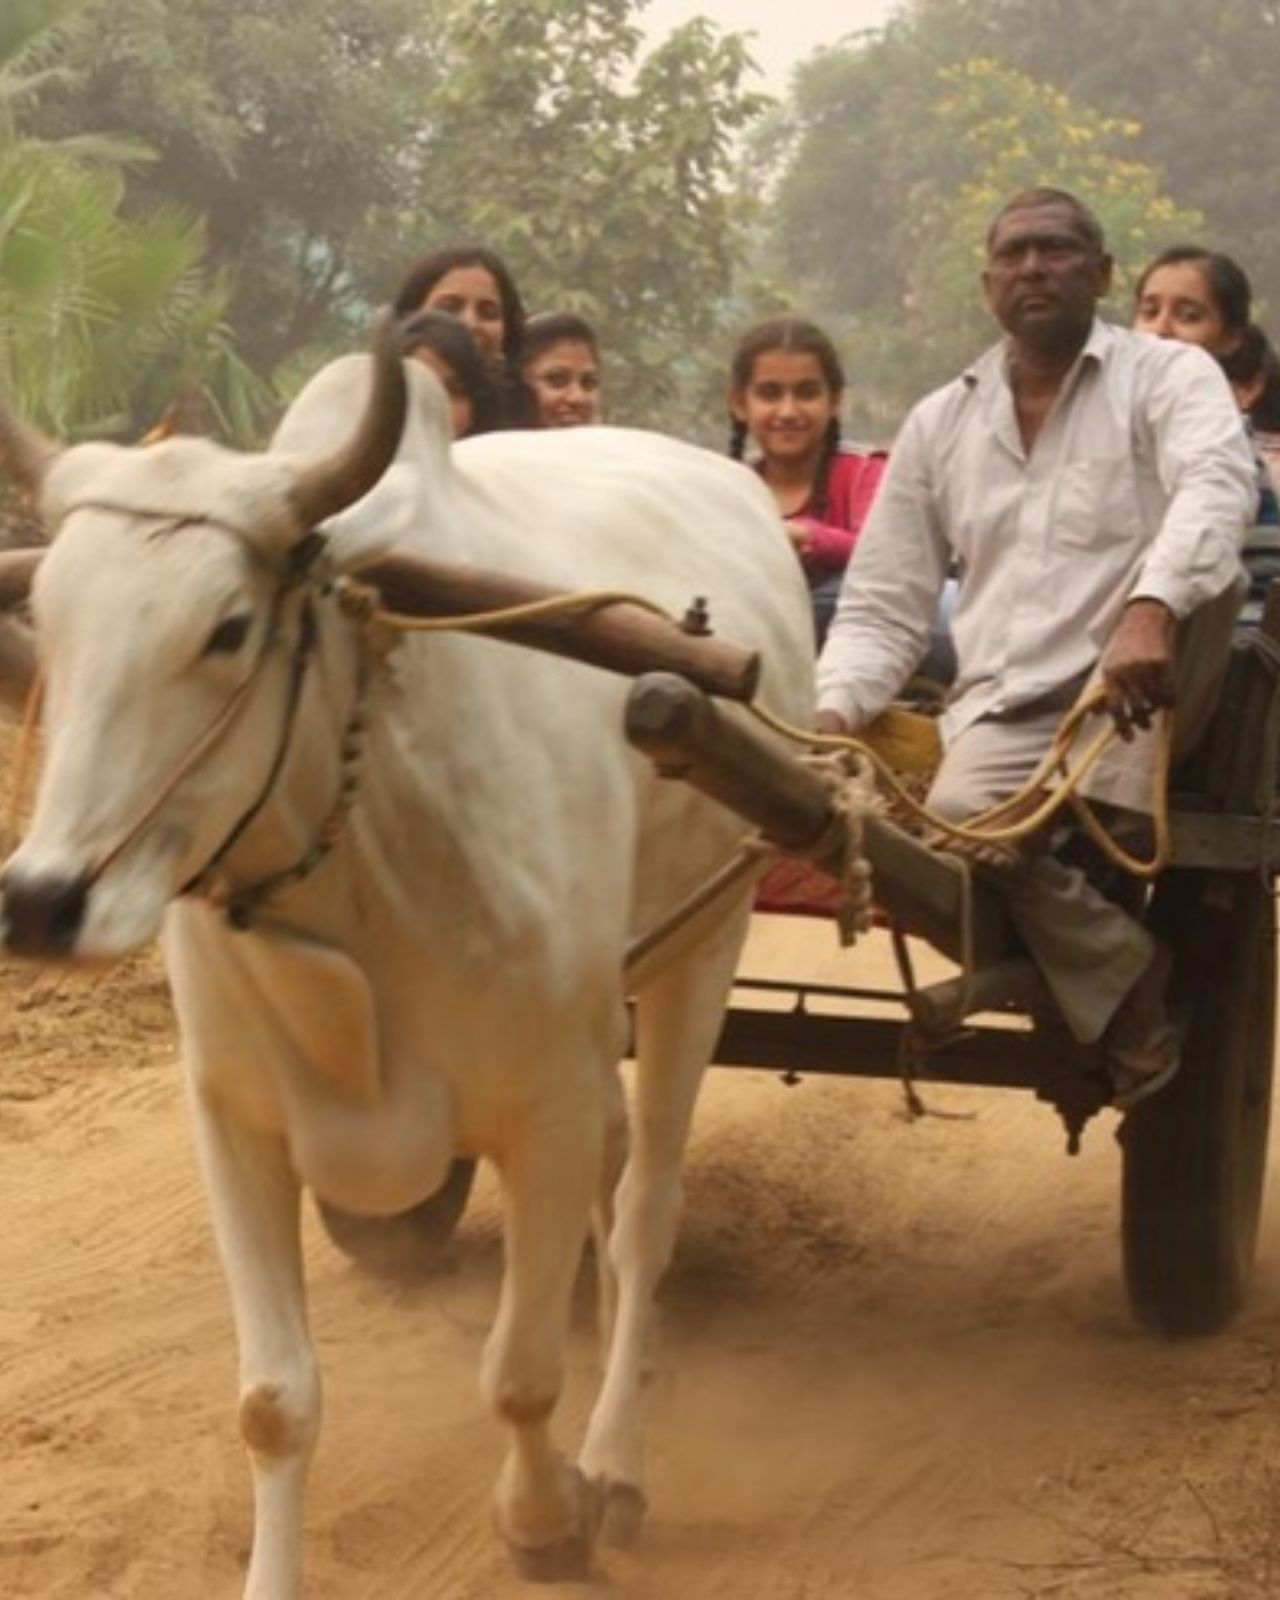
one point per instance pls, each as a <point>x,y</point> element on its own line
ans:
<point>409,1247</point>
<point>1194,1155</point>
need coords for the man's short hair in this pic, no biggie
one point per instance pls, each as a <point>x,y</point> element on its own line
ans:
<point>1032,199</point>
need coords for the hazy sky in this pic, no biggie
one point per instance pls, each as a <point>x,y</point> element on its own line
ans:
<point>786,30</point>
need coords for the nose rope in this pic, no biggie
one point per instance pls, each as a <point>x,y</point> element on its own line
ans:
<point>206,741</point>
<point>203,881</point>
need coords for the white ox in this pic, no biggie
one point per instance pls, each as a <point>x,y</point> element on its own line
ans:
<point>449,978</point>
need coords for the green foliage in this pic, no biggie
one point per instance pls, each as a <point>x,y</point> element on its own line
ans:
<point>104,320</point>
<point>900,151</point>
<point>602,178</point>
<point>329,142</point>
<point>284,125</point>
<point>1201,79</point>
<point>991,132</point>
<point>86,298</point>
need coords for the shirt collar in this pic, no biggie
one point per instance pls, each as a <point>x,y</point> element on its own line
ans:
<point>990,367</point>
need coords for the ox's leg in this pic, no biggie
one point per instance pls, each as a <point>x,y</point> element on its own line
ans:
<point>616,1143</point>
<point>255,1203</point>
<point>678,1017</point>
<point>550,1177</point>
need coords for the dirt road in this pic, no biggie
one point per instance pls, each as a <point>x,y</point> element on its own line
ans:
<point>896,1364</point>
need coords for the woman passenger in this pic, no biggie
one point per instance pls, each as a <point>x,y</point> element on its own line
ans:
<point>560,365</point>
<point>1203,297</point>
<point>473,284</point>
<point>442,343</point>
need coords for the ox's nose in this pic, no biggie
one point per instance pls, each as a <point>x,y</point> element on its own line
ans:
<point>41,913</point>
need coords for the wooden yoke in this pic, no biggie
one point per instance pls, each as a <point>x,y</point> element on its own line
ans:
<point>750,772</point>
<point>622,637</point>
<point>687,736</point>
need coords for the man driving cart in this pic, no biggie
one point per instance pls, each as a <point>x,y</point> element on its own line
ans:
<point>1095,487</point>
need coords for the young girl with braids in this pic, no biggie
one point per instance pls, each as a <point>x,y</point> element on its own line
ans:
<point>786,387</point>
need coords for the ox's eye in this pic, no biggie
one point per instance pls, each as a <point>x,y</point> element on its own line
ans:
<point>229,635</point>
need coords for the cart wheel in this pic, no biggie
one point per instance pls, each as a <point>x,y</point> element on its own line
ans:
<point>1195,1154</point>
<point>407,1247</point>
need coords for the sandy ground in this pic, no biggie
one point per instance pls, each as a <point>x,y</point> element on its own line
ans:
<point>896,1359</point>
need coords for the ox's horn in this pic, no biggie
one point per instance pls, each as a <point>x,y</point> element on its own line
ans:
<point>25,454</point>
<point>17,569</point>
<point>326,487</point>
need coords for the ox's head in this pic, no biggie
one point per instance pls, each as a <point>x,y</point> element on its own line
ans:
<point>168,611</point>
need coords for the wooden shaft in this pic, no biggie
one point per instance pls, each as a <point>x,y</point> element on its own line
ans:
<point>624,638</point>
<point>687,736</point>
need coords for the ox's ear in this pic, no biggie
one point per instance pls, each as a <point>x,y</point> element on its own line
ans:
<point>385,518</point>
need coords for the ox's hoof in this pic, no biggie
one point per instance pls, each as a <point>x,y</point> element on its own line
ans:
<point>625,1507</point>
<point>568,1561</point>
<point>568,1558</point>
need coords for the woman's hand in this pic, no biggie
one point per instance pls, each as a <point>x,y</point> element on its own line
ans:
<point>798,533</point>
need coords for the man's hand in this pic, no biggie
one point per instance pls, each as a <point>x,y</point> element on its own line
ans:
<point>1137,666</point>
<point>830,722</point>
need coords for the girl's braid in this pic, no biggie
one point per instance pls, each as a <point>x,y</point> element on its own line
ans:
<point>822,471</point>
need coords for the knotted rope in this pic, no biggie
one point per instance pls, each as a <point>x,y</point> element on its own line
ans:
<point>850,779</point>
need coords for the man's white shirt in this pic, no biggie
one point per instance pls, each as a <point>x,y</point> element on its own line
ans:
<point>1141,483</point>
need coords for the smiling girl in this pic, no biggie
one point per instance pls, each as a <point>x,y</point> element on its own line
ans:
<point>560,364</point>
<point>785,391</point>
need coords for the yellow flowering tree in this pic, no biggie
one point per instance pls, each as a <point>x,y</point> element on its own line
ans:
<point>989,133</point>
<point>895,164</point>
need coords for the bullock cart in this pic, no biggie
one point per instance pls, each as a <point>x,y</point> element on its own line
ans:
<point>1193,1156</point>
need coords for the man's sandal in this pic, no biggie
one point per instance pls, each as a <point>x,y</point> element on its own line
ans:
<point>1138,1074</point>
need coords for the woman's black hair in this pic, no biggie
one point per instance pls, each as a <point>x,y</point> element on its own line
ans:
<point>452,342</point>
<point>790,333</point>
<point>1227,281</point>
<point>428,270</point>
<point>1253,360</point>
<point>556,327</point>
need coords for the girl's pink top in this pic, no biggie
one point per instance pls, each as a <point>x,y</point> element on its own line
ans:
<point>852,481</point>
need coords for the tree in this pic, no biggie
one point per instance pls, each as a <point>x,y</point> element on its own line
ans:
<point>1200,80</point>
<point>97,311</point>
<point>603,177</point>
<point>921,153</point>
<point>327,142</point>
<point>283,125</point>
<point>1196,86</point>
<point>990,132</point>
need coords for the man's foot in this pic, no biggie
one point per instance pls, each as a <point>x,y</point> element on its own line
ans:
<point>1136,1080</point>
<point>1143,1046</point>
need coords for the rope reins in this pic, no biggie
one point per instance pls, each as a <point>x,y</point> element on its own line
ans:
<point>1030,807</point>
